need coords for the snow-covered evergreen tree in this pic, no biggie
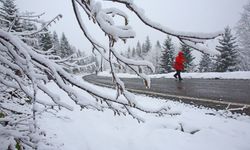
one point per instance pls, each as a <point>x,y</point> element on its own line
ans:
<point>228,58</point>
<point>56,44</point>
<point>167,56</point>
<point>10,15</point>
<point>243,32</point>
<point>188,64</point>
<point>158,53</point>
<point>147,46</point>
<point>20,78</point>
<point>65,48</point>
<point>133,53</point>
<point>45,41</point>
<point>129,53</point>
<point>138,50</point>
<point>205,64</point>
<point>153,56</point>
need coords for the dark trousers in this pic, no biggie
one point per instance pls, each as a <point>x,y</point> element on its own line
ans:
<point>178,74</point>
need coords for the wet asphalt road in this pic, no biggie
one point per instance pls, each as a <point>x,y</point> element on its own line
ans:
<point>237,91</point>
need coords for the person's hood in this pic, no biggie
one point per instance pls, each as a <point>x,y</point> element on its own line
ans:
<point>180,53</point>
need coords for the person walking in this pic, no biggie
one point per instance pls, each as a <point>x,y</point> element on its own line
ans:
<point>179,65</point>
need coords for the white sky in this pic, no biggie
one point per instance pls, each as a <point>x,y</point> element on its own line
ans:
<point>191,15</point>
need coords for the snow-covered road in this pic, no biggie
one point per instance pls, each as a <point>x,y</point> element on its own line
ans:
<point>208,92</point>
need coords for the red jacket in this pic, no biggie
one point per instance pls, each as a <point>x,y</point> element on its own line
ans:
<point>179,61</point>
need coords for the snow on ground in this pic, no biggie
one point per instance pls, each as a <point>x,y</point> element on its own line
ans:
<point>194,129</point>
<point>206,75</point>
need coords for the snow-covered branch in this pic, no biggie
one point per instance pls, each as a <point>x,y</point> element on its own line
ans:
<point>44,27</point>
<point>26,69</point>
<point>235,108</point>
<point>103,17</point>
<point>94,10</point>
<point>193,38</point>
<point>60,77</point>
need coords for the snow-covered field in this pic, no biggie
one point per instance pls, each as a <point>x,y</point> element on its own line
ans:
<point>206,75</point>
<point>194,129</point>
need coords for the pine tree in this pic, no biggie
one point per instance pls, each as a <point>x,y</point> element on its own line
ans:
<point>167,57</point>
<point>228,59</point>
<point>157,52</point>
<point>188,65</point>
<point>205,64</point>
<point>143,47</point>
<point>56,43</point>
<point>65,48</point>
<point>146,47</point>
<point>45,41</point>
<point>11,12</point>
<point>243,36</point>
<point>133,52</point>
<point>153,56</point>
<point>138,50</point>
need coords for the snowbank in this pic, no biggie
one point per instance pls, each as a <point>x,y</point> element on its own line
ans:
<point>195,129</point>
<point>207,75</point>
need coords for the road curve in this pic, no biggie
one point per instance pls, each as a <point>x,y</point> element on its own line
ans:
<point>214,93</point>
